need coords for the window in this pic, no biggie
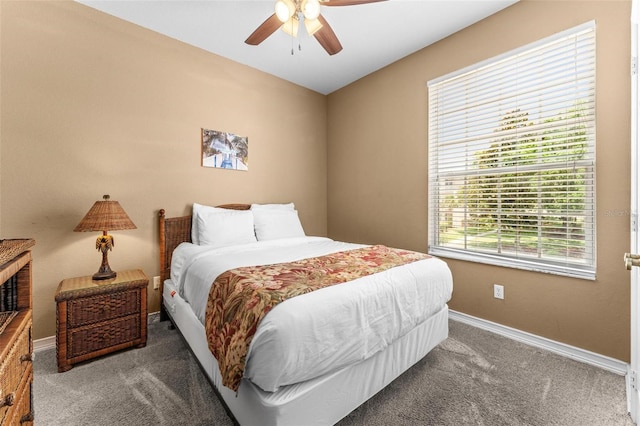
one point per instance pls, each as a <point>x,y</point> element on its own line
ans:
<point>512,158</point>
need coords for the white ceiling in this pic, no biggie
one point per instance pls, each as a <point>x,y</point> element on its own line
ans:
<point>372,35</point>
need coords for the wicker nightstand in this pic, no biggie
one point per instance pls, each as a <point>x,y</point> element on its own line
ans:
<point>94,318</point>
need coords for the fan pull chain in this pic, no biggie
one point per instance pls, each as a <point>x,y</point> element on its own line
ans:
<point>299,46</point>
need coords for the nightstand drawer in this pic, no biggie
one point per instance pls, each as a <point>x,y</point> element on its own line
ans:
<point>90,339</point>
<point>13,368</point>
<point>21,412</point>
<point>89,310</point>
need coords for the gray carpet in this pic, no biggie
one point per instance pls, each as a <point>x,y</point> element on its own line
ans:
<point>473,378</point>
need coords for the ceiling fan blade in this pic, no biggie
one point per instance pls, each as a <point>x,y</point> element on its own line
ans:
<point>327,38</point>
<point>265,29</point>
<point>346,2</point>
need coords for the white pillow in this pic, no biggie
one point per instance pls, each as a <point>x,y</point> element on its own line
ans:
<point>225,227</point>
<point>197,210</point>
<point>273,224</point>
<point>179,259</point>
<point>288,206</point>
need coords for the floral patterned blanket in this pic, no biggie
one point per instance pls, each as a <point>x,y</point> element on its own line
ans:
<point>241,297</point>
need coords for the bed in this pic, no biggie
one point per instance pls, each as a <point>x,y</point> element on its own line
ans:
<point>323,381</point>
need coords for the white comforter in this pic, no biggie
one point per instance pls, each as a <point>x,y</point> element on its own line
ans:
<point>325,330</point>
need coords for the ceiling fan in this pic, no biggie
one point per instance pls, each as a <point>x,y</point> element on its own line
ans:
<point>288,15</point>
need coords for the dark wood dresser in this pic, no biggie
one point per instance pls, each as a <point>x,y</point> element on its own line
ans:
<point>94,318</point>
<point>16,344</point>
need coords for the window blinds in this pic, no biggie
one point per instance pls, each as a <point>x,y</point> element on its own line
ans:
<point>512,158</point>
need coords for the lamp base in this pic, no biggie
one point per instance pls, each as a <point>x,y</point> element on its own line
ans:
<point>104,244</point>
<point>104,275</point>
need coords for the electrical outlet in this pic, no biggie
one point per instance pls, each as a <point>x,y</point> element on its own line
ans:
<point>156,283</point>
<point>498,291</point>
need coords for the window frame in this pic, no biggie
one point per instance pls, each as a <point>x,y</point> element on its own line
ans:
<point>436,178</point>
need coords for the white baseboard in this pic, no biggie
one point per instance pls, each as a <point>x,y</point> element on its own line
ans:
<point>610,364</point>
<point>50,342</point>
<point>44,344</point>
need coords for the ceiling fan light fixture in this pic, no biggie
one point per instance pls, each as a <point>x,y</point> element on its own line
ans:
<point>285,10</point>
<point>311,9</point>
<point>291,27</point>
<point>312,26</point>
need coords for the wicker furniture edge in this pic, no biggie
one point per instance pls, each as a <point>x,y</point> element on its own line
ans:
<point>92,291</point>
<point>11,248</point>
<point>5,319</point>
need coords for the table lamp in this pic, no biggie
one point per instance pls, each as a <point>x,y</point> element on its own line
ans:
<point>104,216</point>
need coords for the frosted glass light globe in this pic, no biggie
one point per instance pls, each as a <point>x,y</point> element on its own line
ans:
<point>311,9</point>
<point>285,10</point>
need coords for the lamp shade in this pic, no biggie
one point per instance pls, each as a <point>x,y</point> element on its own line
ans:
<point>105,215</point>
<point>312,26</point>
<point>291,27</point>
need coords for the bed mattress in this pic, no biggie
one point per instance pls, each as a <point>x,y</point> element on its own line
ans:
<point>324,331</point>
<point>320,401</point>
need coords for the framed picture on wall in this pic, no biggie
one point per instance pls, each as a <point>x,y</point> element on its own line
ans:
<point>224,150</point>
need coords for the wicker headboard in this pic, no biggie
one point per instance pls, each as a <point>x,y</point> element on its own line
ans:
<point>176,230</point>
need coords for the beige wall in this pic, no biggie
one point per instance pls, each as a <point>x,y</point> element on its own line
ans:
<point>377,168</point>
<point>93,105</point>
